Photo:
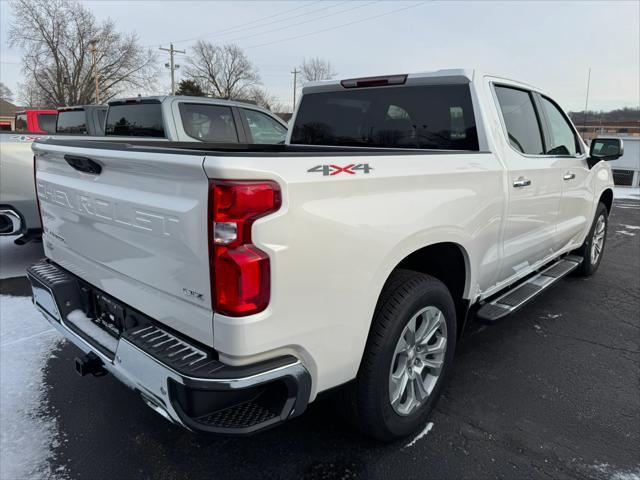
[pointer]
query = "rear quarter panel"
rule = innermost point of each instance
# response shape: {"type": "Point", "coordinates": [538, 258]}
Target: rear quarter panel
{"type": "Point", "coordinates": [17, 188]}
{"type": "Point", "coordinates": [337, 238]}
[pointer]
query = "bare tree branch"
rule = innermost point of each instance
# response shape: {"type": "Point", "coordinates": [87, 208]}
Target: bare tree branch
{"type": "Point", "coordinates": [55, 36]}
{"type": "Point", "coordinates": [222, 71]}
{"type": "Point", "coordinates": [316, 69]}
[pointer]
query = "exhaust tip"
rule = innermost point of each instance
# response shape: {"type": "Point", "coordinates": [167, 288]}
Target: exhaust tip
{"type": "Point", "coordinates": [10, 222]}
{"type": "Point", "coordinates": [89, 364]}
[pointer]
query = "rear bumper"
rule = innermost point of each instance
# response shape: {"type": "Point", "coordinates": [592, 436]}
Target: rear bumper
{"type": "Point", "coordinates": [179, 379]}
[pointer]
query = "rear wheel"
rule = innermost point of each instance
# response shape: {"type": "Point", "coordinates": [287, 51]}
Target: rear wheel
{"type": "Point", "coordinates": [593, 247]}
{"type": "Point", "coordinates": [407, 358]}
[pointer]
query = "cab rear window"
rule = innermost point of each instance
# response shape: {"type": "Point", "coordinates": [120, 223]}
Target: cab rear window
{"type": "Point", "coordinates": [47, 122]}
{"type": "Point", "coordinates": [72, 122]}
{"type": "Point", "coordinates": [424, 117]}
{"type": "Point", "coordinates": [135, 120]}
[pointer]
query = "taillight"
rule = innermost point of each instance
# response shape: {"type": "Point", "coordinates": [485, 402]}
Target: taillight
{"type": "Point", "coordinates": [240, 271]}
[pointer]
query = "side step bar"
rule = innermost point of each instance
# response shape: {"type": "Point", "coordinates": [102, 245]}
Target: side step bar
{"type": "Point", "coordinates": [527, 290]}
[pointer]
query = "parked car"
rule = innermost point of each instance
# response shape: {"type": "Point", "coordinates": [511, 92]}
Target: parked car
{"type": "Point", "coordinates": [231, 284]}
{"type": "Point", "coordinates": [81, 120]}
{"type": "Point", "coordinates": [173, 119]}
{"type": "Point", "coordinates": [36, 121]}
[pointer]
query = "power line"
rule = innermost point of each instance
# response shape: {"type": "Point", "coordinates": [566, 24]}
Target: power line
{"type": "Point", "coordinates": [245, 26]}
{"type": "Point", "coordinates": [337, 26]}
{"type": "Point", "coordinates": [315, 19]}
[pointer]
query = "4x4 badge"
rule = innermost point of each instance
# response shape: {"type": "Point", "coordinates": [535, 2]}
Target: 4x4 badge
{"type": "Point", "coordinates": [350, 169]}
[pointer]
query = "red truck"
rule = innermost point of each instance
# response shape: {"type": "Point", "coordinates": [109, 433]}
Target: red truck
{"type": "Point", "coordinates": [36, 121]}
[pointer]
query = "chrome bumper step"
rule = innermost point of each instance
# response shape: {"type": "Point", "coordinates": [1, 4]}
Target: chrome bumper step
{"type": "Point", "coordinates": [528, 290]}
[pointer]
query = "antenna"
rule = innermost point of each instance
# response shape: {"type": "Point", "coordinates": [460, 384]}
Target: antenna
{"type": "Point", "coordinates": [586, 104]}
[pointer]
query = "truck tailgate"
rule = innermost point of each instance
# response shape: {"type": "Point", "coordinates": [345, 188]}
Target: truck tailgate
{"type": "Point", "coordinates": [137, 228]}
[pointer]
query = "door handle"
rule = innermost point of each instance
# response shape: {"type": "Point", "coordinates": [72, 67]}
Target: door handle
{"type": "Point", "coordinates": [569, 176]}
{"type": "Point", "coordinates": [521, 182]}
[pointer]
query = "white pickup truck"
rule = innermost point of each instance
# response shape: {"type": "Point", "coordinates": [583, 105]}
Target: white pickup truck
{"type": "Point", "coordinates": [169, 118]}
{"type": "Point", "coordinates": [230, 285]}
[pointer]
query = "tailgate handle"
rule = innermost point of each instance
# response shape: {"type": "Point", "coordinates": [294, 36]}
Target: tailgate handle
{"type": "Point", "coordinates": [84, 164]}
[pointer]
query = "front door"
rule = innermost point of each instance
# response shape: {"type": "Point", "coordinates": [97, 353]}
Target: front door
{"type": "Point", "coordinates": [534, 185]}
{"type": "Point", "coordinates": [574, 217]}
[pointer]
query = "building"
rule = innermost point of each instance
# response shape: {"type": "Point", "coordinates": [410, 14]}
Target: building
{"type": "Point", "coordinates": [7, 115]}
{"type": "Point", "coordinates": [592, 129]}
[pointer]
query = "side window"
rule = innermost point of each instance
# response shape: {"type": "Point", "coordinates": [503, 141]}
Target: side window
{"type": "Point", "coordinates": [21, 122]}
{"type": "Point", "coordinates": [264, 129]}
{"type": "Point", "coordinates": [520, 119]}
{"type": "Point", "coordinates": [208, 123]}
{"type": "Point", "coordinates": [563, 141]}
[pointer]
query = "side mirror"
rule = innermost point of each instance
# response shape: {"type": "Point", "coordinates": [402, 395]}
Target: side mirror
{"type": "Point", "coordinates": [606, 149]}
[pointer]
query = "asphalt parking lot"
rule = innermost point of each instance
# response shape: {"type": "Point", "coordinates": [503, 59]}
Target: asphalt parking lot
{"type": "Point", "coordinates": [552, 391]}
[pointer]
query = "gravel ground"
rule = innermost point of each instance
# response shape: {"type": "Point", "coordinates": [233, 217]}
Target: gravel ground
{"type": "Point", "coordinates": [552, 391]}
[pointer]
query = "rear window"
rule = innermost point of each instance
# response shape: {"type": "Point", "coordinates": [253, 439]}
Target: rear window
{"type": "Point", "coordinates": [47, 122]}
{"type": "Point", "coordinates": [21, 122]}
{"type": "Point", "coordinates": [425, 117]}
{"type": "Point", "coordinates": [135, 120]}
{"type": "Point", "coordinates": [72, 121]}
{"type": "Point", "coordinates": [208, 123]}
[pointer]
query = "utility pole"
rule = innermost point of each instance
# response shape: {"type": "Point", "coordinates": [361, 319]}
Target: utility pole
{"type": "Point", "coordinates": [295, 85]}
{"type": "Point", "coordinates": [171, 65]}
{"type": "Point", "coordinates": [94, 49]}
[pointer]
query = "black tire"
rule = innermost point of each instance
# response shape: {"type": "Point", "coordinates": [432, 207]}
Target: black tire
{"type": "Point", "coordinates": [588, 266]}
{"type": "Point", "coordinates": [368, 402]}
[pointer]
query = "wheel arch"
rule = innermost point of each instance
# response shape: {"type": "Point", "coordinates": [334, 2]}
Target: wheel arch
{"type": "Point", "coordinates": [606, 197]}
{"type": "Point", "coordinates": [449, 263]}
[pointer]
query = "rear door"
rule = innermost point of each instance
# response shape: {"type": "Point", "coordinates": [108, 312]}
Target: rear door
{"type": "Point", "coordinates": [262, 128]}
{"type": "Point", "coordinates": [534, 184]}
{"type": "Point", "coordinates": [135, 226]}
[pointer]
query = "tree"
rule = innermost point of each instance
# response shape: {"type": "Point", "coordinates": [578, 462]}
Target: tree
{"type": "Point", "coordinates": [264, 99]}
{"type": "Point", "coordinates": [316, 69]}
{"type": "Point", "coordinates": [224, 71]}
{"type": "Point", "coordinates": [5, 93]}
{"type": "Point", "coordinates": [56, 37]}
{"type": "Point", "coordinates": [31, 95]}
{"type": "Point", "coordinates": [190, 87]}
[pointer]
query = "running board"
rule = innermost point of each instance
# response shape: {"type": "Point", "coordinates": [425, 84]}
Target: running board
{"type": "Point", "coordinates": [527, 290]}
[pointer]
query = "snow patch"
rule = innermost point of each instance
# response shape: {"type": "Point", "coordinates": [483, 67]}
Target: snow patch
{"type": "Point", "coordinates": [28, 434]}
{"type": "Point", "coordinates": [613, 474]}
{"type": "Point", "coordinates": [624, 232]}
{"type": "Point", "coordinates": [630, 227]}
{"type": "Point", "coordinates": [628, 193]}
{"type": "Point", "coordinates": [84, 323]}
{"type": "Point", "coordinates": [426, 430]}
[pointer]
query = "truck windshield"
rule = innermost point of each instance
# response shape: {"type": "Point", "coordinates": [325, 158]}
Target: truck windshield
{"type": "Point", "coordinates": [135, 120]}
{"type": "Point", "coordinates": [424, 117]}
{"type": "Point", "coordinates": [47, 122]}
{"type": "Point", "coordinates": [72, 121]}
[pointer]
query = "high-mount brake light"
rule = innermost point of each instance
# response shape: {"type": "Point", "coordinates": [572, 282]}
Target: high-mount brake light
{"type": "Point", "coordinates": [240, 271]}
{"type": "Point", "coordinates": [374, 81]}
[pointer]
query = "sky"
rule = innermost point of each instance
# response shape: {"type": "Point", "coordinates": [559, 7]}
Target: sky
{"type": "Point", "coordinates": [550, 44]}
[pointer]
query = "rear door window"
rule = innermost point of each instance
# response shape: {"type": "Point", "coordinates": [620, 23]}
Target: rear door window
{"type": "Point", "coordinates": [47, 122]}
{"type": "Point", "coordinates": [437, 117]}
{"type": "Point", "coordinates": [521, 120]}
{"type": "Point", "coordinates": [135, 120]}
{"type": "Point", "coordinates": [264, 129]}
{"type": "Point", "coordinates": [72, 122]}
{"type": "Point", "coordinates": [209, 123]}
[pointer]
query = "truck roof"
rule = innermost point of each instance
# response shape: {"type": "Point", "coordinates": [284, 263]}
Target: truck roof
{"type": "Point", "coordinates": [163, 98]}
{"type": "Point", "coordinates": [452, 75]}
